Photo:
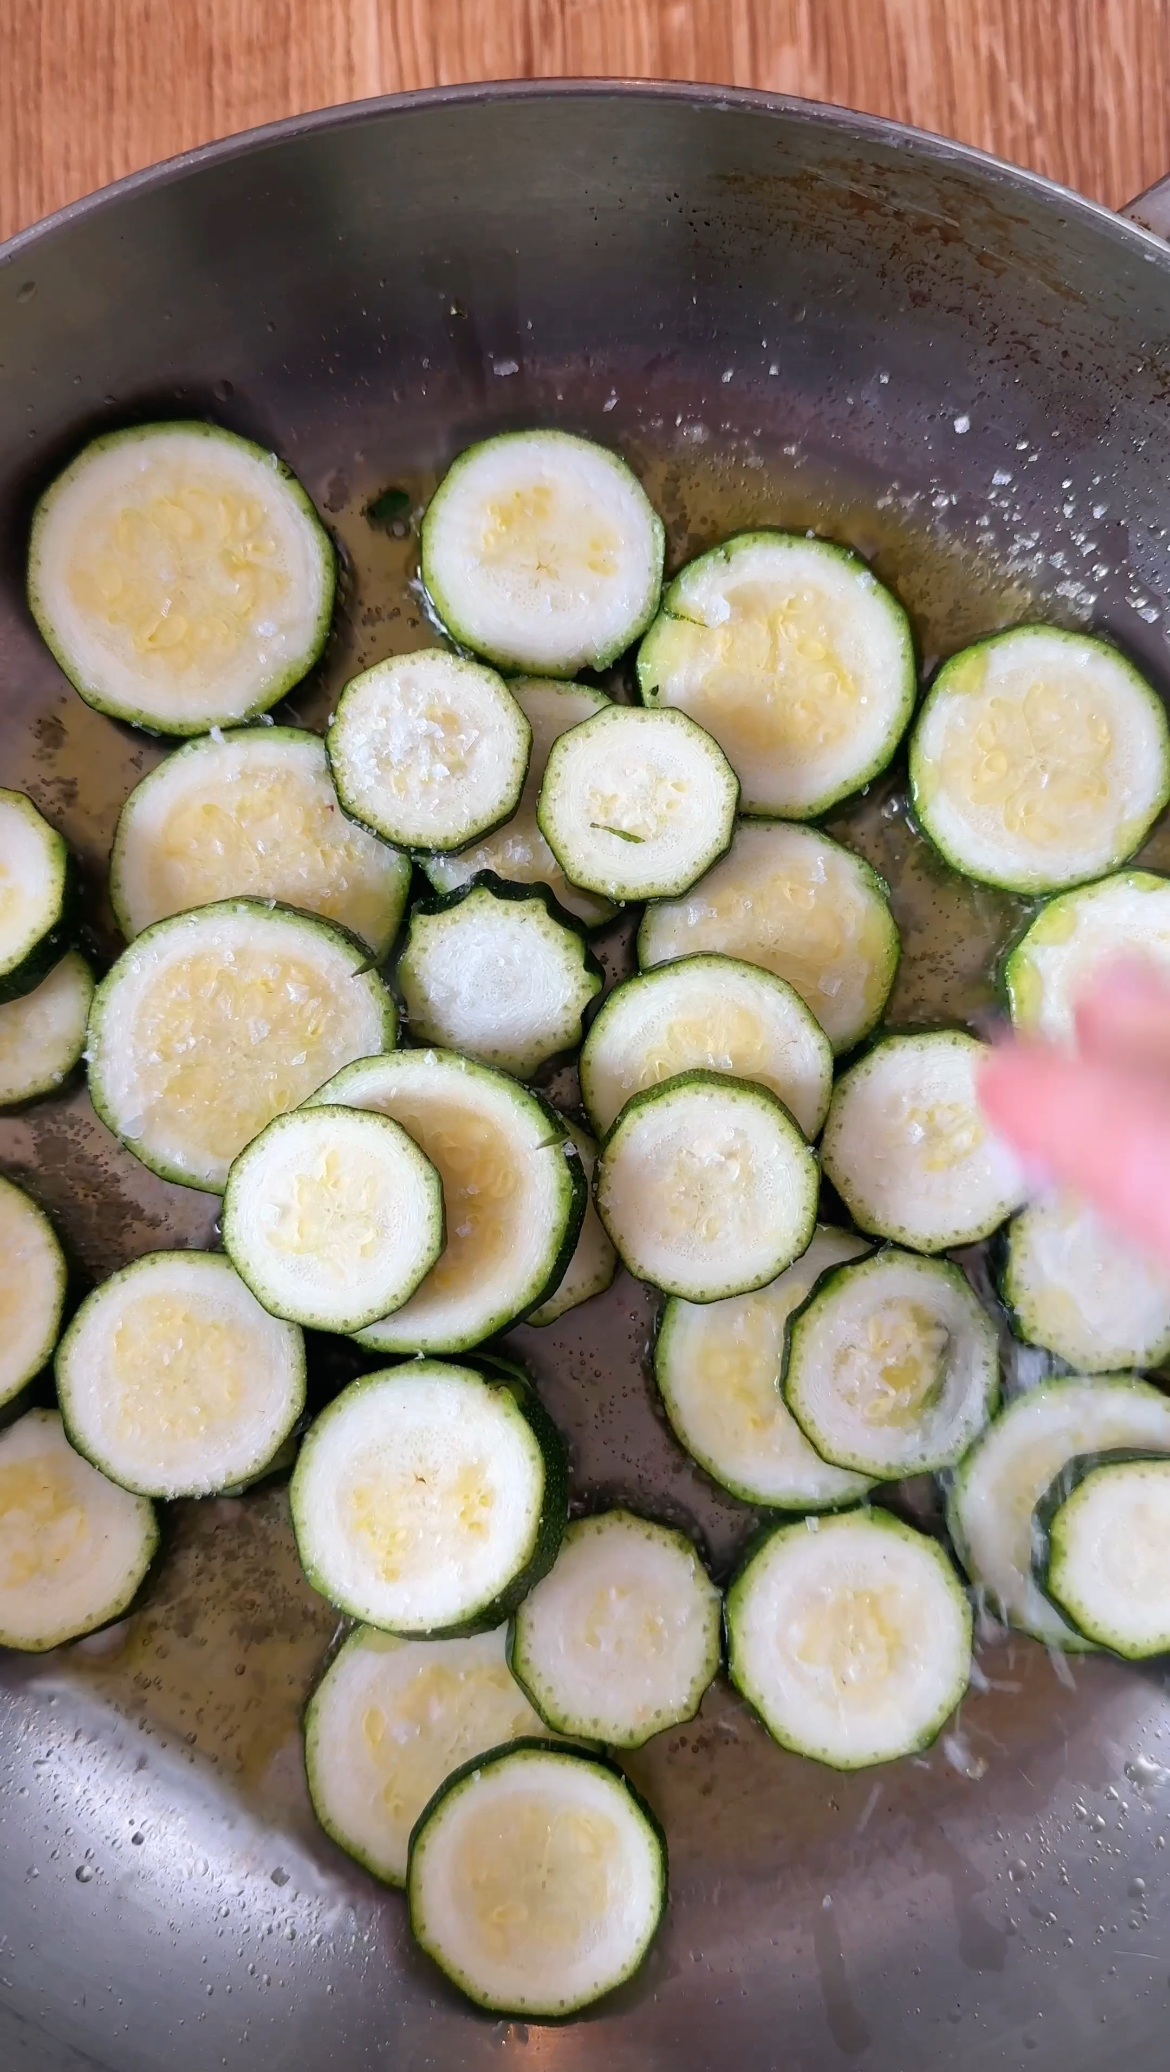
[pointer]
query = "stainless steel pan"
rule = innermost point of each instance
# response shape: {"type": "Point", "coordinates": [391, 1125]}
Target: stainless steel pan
{"type": "Point", "coordinates": [786, 313]}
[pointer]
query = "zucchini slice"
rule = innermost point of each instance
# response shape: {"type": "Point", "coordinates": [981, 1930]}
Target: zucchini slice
{"type": "Point", "coordinates": [989, 1510]}
{"type": "Point", "coordinates": [636, 804]}
{"type": "Point", "coordinates": [1075, 1287]}
{"type": "Point", "coordinates": [252, 814]}
{"type": "Point", "coordinates": [213, 1022]}
{"type": "Point", "coordinates": [1101, 1550]}
{"type": "Point", "coordinates": [517, 851]}
{"type": "Point", "coordinates": [181, 577]}
{"type": "Point", "coordinates": [792, 654]}
{"type": "Point", "coordinates": [174, 1382]}
{"type": "Point", "coordinates": [908, 1150]}
{"type": "Point", "coordinates": [543, 552]}
{"type": "Point", "coordinates": [1040, 759]}
{"type": "Point", "coordinates": [622, 1637]}
{"type": "Point", "coordinates": [74, 1549]}
{"type": "Point", "coordinates": [537, 1879]}
{"type": "Point", "coordinates": [850, 1637]}
{"type": "Point", "coordinates": [706, 1186]}
{"type": "Point", "coordinates": [513, 1189]}
{"type": "Point", "coordinates": [709, 1012]}
{"type": "Point", "coordinates": [800, 905]}
{"type": "Point", "coordinates": [332, 1217]}
{"type": "Point", "coordinates": [718, 1368]}
{"type": "Point", "coordinates": [497, 972]}
{"type": "Point", "coordinates": [892, 1365]}
{"type": "Point", "coordinates": [429, 750]}
{"type": "Point", "coordinates": [1074, 938]}
{"type": "Point", "coordinates": [594, 1262]}
{"type": "Point", "coordinates": [42, 1035]}
{"type": "Point", "coordinates": [33, 1282]}
{"type": "Point", "coordinates": [388, 1723]}
{"type": "Point", "coordinates": [427, 1499]}
{"type": "Point", "coordinates": [36, 895]}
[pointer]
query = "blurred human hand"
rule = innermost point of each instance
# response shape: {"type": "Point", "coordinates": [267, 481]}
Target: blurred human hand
{"type": "Point", "coordinates": [1098, 1120]}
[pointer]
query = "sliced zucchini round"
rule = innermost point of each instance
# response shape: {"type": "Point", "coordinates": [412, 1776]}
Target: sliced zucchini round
{"type": "Point", "coordinates": [429, 750]}
{"type": "Point", "coordinates": [850, 1637]}
{"type": "Point", "coordinates": [892, 1365]}
{"type": "Point", "coordinates": [42, 1035]}
{"type": "Point", "coordinates": [710, 1012]}
{"type": "Point", "coordinates": [706, 1186]}
{"type": "Point", "coordinates": [1075, 1287]}
{"type": "Point", "coordinates": [33, 1282]}
{"type": "Point", "coordinates": [252, 814]}
{"type": "Point", "coordinates": [174, 1382]}
{"type": "Point", "coordinates": [718, 1368]}
{"type": "Point", "coordinates": [36, 894]}
{"type": "Point", "coordinates": [427, 1499]}
{"type": "Point", "coordinates": [388, 1723]}
{"type": "Point", "coordinates": [1101, 1550]}
{"type": "Point", "coordinates": [792, 654]}
{"type": "Point", "coordinates": [908, 1150]}
{"type": "Point", "coordinates": [800, 905]}
{"type": "Point", "coordinates": [517, 851]}
{"type": "Point", "coordinates": [180, 576]}
{"type": "Point", "coordinates": [74, 1549]}
{"type": "Point", "coordinates": [332, 1217]}
{"type": "Point", "coordinates": [1040, 759]}
{"type": "Point", "coordinates": [1074, 938]}
{"type": "Point", "coordinates": [636, 804]}
{"type": "Point", "coordinates": [594, 1262]}
{"type": "Point", "coordinates": [495, 971]}
{"type": "Point", "coordinates": [989, 1511]}
{"type": "Point", "coordinates": [543, 552]}
{"type": "Point", "coordinates": [213, 1022]}
{"type": "Point", "coordinates": [513, 1189]}
{"type": "Point", "coordinates": [537, 1879]}
{"type": "Point", "coordinates": [622, 1637]}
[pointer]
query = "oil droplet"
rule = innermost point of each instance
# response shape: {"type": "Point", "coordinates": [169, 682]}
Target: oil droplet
{"type": "Point", "coordinates": [280, 1876]}
{"type": "Point", "coordinates": [26, 293]}
{"type": "Point", "coordinates": [84, 1873]}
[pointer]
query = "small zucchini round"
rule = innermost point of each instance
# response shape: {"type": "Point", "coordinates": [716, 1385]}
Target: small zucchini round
{"type": "Point", "coordinates": [42, 1034]}
{"type": "Point", "coordinates": [1074, 938]}
{"type": "Point", "coordinates": [74, 1548]}
{"type": "Point", "coordinates": [1072, 1284]}
{"type": "Point", "coordinates": [1101, 1550]}
{"type": "Point", "coordinates": [37, 890]}
{"type": "Point", "coordinates": [594, 1263]}
{"type": "Point", "coordinates": [33, 1283]}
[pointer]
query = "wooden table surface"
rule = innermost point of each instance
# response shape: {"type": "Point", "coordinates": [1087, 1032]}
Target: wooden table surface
{"type": "Point", "coordinates": [91, 89]}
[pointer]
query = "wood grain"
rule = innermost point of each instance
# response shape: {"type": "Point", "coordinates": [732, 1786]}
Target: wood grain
{"type": "Point", "coordinates": [91, 89]}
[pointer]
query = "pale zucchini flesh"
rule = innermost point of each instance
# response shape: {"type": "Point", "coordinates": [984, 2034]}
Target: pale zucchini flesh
{"type": "Point", "coordinates": [213, 1022]}
{"type": "Point", "coordinates": [42, 1034]}
{"type": "Point", "coordinates": [537, 1878]}
{"type": "Point", "coordinates": [429, 750]}
{"type": "Point", "coordinates": [800, 905]}
{"type": "Point", "coordinates": [33, 1282]}
{"type": "Point", "coordinates": [252, 814]}
{"type": "Point", "coordinates": [389, 1722]}
{"type": "Point", "coordinates": [74, 1548]}
{"type": "Point", "coordinates": [907, 1147]}
{"type": "Point", "coordinates": [517, 851]}
{"type": "Point", "coordinates": [1040, 759]}
{"type": "Point", "coordinates": [712, 1013]}
{"type": "Point", "coordinates": [332, 1217]}
{"type": "Point", "coordinates": [1074, 1286]}
{"type": "Point", "coordinates": [494, 971]}
{"type": "Point", "coordinates": [175, 1382]}
{"type": "Point", "coordinates": [594, 1263]}
{"type": "Point", "coordinates": [36, 887]}
{"type": "Point", "coordinates": [892, 1365]}
{"type": "Point", "coordinates": [543, 552]}
{"type": "Point", "coordinates": [851, 1638]}
{"type": "Point", "coordinates": [1101, 1550]}
{"type": "Point", "coordinates": [706, 1186]}
{"type": "Point", "coordinates": [427, 1499]}
{"type": "Point", "coordinates": [1075, 938]}
{"type": "Point", "coordinates": [181, 576]}
{"type": "Point", "coordinates": [718, 1367]}
{"type": "Point", "coordinates": [989, 1510]}
{"type": "Point", "coordinates": [513, 1189]}
{"type": "Point", "coordinates": [793, 655]}
{"type": "Point", "coordinates": [637, 804]}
